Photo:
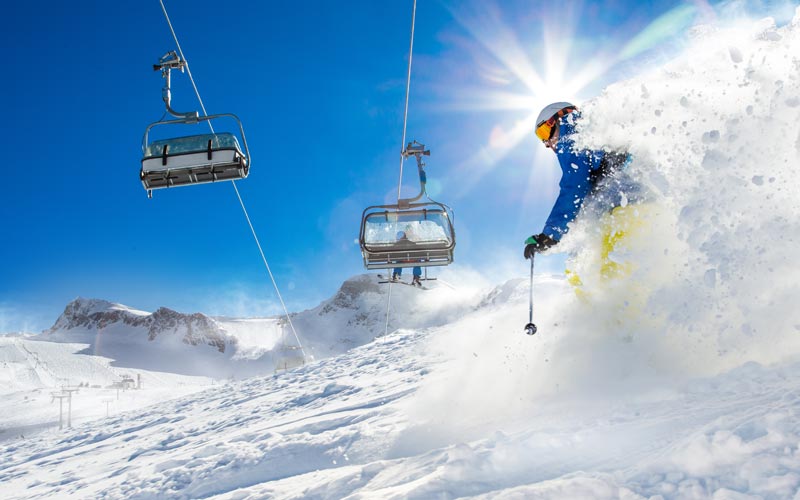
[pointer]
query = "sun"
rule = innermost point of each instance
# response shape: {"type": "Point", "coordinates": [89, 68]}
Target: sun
{"type": "Point", "coordinates": [515, 78]}
{"type": "Point", "coordinates": [527, 56]}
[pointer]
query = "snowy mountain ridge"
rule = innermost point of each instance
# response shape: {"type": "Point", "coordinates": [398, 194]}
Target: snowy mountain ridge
{"type": "Point", "coordinates": [222, 347]}
{"type": "Point", "coordinates": [87, 315]}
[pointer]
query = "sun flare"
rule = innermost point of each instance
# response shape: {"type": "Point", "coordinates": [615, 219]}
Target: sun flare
{"type": "Point", "coordinates": [522, 70]}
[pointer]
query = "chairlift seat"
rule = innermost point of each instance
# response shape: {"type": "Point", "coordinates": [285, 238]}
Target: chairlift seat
{"type": "Point", "coordinates": [426, 235]}
{"type": "Point", "coordinates": [287, 357]}
{"type": "Point", "coordinates": [193, 159]}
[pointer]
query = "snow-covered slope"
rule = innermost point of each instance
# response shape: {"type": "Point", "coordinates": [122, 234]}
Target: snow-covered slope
{"type": "Point", "coordinates": [392, 419]}
{"type": "Point", "coordinates": [32, 371]}
{"type": "Point", "coordinates": [680, 380]}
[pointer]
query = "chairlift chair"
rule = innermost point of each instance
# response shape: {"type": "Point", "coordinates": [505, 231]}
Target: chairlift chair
{"type": "Point", "coordinates": [194, 159]}
{"type": "Point", "coordinates": [419, 234]}
{"type": "Point", "coordinates": [287, 357]}
{"type": "Point", "coordinates": [409, 233]}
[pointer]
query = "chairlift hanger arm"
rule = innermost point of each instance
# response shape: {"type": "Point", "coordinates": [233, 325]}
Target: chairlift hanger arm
{"type": "Point", "coordinates": [417, 150]}
{"type": "Point", "coordinates": [170, 60]}
{"type": "Point", "coordinates": [166, 63]}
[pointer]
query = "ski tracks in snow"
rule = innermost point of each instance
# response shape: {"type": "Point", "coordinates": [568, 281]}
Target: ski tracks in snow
{"type": "Point", "coordinates": [337, 429]}
{"type": "Point", "coordinates": [314, 418]}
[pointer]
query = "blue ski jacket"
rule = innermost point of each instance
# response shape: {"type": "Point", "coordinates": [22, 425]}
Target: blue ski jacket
{"type": "Point", "coordinates": [581, 173]}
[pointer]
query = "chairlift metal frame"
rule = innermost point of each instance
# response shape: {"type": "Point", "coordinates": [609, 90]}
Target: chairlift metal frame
{"type": "Point", "coordinates": [284, 356]}
{"type": "Point", "coordinates": [405, 253]}
{"type": "Point", "coordinates": [236, 167]}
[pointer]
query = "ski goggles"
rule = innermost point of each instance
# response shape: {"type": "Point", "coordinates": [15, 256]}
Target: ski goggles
{"type": "Point", "coordinates": [544, 130]}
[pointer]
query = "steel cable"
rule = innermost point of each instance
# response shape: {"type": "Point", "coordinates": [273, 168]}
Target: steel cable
{"type": "Point", "coordinates": [249, 223]}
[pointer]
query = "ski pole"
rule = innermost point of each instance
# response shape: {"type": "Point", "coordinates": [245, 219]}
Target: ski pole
{"type": "Point", "coordinates": [530, 328]}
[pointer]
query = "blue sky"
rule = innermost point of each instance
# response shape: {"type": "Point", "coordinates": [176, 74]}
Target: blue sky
{"type": "Point", "coordinates": [319, 86]}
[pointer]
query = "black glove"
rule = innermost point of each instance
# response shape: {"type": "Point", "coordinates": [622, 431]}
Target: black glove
{"type": "Point", "coordinates": [538, 243]}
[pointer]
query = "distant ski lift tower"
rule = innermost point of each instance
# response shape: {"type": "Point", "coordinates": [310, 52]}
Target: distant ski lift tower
{"type": "Point", "coordinates": [68, 391]}
{"type": "Point", "coordinates": [60, 396]}
{"type": "Point", "coordinates": [107, 401]}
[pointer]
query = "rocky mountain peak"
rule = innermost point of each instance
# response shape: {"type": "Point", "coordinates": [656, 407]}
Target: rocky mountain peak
{"type": "Point", "coordinates": [348, 295]}
{"type": "Point", "coordinates": [98, 314]}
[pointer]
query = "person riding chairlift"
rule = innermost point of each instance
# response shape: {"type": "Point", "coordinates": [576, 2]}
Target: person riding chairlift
{"type": "Point", "coordinates": [398, 271]}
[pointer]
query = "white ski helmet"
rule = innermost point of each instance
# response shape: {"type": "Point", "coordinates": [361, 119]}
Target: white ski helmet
{"type": "Point", "coordinates": [557, 109]}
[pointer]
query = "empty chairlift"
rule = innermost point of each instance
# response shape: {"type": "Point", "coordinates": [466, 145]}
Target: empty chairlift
{"type": "Point", "coordinates": [194, 159]}
{"type": "Point", "coordinates": [410, 233]}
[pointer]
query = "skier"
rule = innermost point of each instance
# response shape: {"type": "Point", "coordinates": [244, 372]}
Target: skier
{"type": "Point", "coordinates": [585, 175]}
{"type": "Point", "coordinates": [398, 271]}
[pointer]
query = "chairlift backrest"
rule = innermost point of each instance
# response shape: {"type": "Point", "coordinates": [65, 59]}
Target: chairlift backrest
{"type": "Point", "coordinates": [193, 144]}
